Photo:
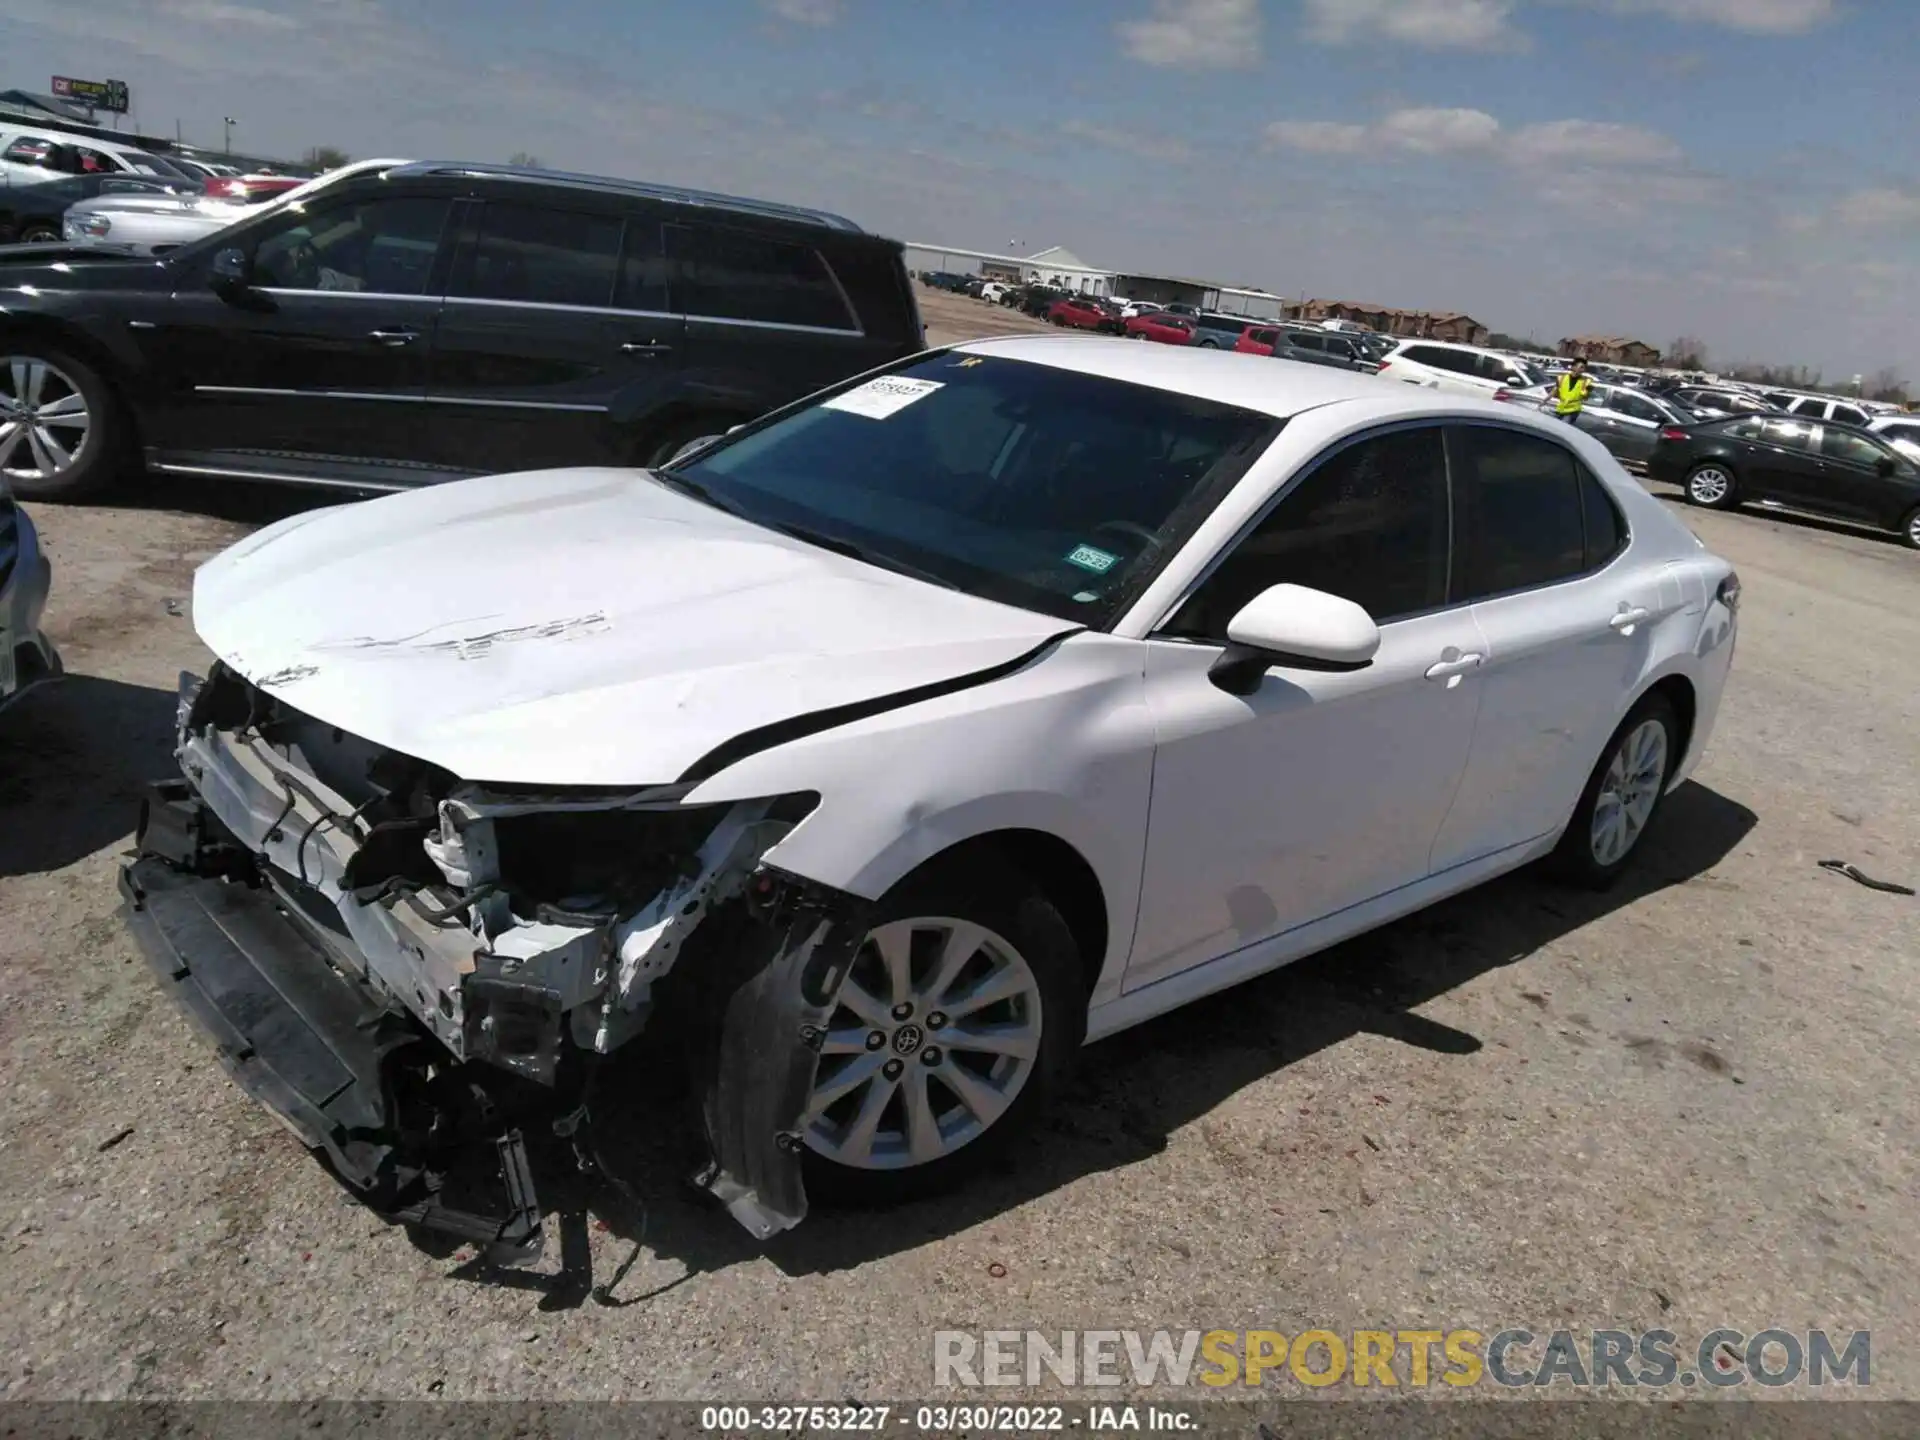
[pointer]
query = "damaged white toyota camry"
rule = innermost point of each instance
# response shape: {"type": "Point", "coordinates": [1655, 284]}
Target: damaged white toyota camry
{"type": "Point", "coordinates": [887, 749]}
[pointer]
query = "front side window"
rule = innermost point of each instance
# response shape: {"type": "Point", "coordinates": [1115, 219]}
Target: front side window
{"type": "Point", "coordinates": [1635, 408]}
{"type": "Point", "coordinates": [727, 274]}
{"type": "Point", "coordinates": [1815, 408]}
{"type": "Point", "coordinates": [1023, 483]}
{"type": "Point", "coordinates": [540, 256]}
{"type": "Point", "coordinates": [375, 246]}
{"type": "Point", "coordinates": [1521, 493]}
{"type": "Point", "coordinates": [1370, 524]}
{"type": "Point", "coordinates": [1847, 415]}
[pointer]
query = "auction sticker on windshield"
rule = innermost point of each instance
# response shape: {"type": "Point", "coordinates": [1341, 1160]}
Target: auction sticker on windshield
{"type": "Point", "coordinates": [877, 399]}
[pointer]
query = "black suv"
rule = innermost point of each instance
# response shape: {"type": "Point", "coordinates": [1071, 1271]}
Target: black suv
{"type": "Point", "coordinates": [401, 324]}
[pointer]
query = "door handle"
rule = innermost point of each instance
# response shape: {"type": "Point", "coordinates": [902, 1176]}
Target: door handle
{"type": "Point", "coordinates": [394, 339]}
{"type": "Point", "coordinates": [647, 347]}
{"type": "Point", "coordinates": [1459, 665]}
{"type": "Point", "coordinates": [1627, 619]}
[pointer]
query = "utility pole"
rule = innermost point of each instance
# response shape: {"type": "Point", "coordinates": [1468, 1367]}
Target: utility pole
{"type": "Point", "coordinates": [229, 122]}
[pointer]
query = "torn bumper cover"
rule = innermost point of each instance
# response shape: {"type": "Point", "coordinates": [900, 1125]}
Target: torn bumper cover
{"type": "Point", "coordinates": [404, 967]}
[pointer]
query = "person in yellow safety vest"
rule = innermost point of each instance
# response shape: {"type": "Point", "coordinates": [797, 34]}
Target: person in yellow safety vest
{"type": "Point", "coordinates": [1572, 395]}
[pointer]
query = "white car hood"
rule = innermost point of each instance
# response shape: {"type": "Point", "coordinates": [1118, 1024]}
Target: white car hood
{"type": "Point", "coordinates": [577, 627]}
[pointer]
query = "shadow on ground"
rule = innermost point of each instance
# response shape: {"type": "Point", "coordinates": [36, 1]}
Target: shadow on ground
{"type": "Point", "coordinates": [1130, 1092]}
{"type": "Point", "coordinates": [243, 502]}
{"type": "Point", "coordinates": [75, 757]}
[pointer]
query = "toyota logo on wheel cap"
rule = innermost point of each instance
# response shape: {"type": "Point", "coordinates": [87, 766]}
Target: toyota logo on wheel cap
{"type": "Point", "coordinates": [907, 1039]}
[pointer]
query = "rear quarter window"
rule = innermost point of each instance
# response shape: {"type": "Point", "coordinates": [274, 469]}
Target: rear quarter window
{"type": "Point", "coordinates": [728, 274]}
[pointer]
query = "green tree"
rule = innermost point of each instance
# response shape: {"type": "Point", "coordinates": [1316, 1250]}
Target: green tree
{"type": "Point", "coordinates": [526, 158]}
{"type": "Point", "coordinates": [1688, 352]}
{"type": "Point", "coordinates": [326, 157]}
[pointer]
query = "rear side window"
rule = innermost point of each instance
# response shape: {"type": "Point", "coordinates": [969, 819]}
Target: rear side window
{"type": "Point", "coordinates": [1847, 415]}
{"type": "Point", "coordinates": [1815, 408]}
{"type": "Point", "coordinates": [1369, 524]}
{"type": "Point", "coordinates": [725, 274]}
{"type": "Point", "coordinates": [1790, 434]}
{"type": "Point", "coordinates": [540, 256]}
{"type": "Point", "coordinates": [1522, 497]}
{"type": "Point", "coordinates": [1606, 529]}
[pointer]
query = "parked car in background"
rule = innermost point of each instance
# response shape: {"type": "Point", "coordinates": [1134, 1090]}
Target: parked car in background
{"type": "Point", "coordinates": [1131, 308]}
{"type": "Point", "coordinates": [32, 214]}
{"type": "Point", "coordinates": [26, 655]}
{"type": "Point", "coordinates": [250, 189]}
{"type": "Point", "coordinates": [1821, 407]}
{"type": "Point", "coordinates": [1081, 312]}
{"type": "Point", "coordinates": [944, 279]}
{"type": "Point", "coordinates": [994, 291]}
{"type": "Point", "coordinates": [1213, 331]}
{"type": "Point", "coordinates": [1258, 340]}
{"type": "Point", "coordinates": [995, 685]}
{"type": "Point", "coordinates": [1462, 369]}
{"type": "Point", "coordinates": [1340, 349]}
{"type": "Point", "coordinates": [28, 155]}
{"type": "Point", "coordinates": [1783, 461]}
{"type": "Point", "coordinates": [146, 224]}
{"type": "Point", "coordinates": [1900, 431]}
{"type": "Point", "coordinates": [1713, 403]}
{"type": "Point", "coordinates": [397, 323]}
{"type": "Point", "coordinates": [1167, 329]}
{"type": "Point", "coordinates": [1627, 421]}
{"type": "Point", "coordinates": [1039, 299]}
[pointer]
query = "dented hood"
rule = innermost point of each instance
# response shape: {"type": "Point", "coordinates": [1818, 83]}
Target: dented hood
{"type": "Point", "coordinates": [577, 627]}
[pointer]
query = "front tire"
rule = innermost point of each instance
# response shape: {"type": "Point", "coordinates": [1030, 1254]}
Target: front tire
{"type": "Point", "coordinates": [1910, 529]}
{"type": "Point", "coordinates": [61, 432]}
{"type": "Point", "coordinates": [1621, 796]}
{"type": "Point", "coordinates": [1711, 486]}
{"type": "Point", "coordinates": [39, 235]}
{"type": "Point", "coordinates": [661, 447]}
{"type": "Point", "coordinates": [971, 982]}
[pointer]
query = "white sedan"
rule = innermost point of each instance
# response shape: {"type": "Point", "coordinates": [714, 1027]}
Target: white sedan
{"type": "Point", "coordinates": [889, 748]}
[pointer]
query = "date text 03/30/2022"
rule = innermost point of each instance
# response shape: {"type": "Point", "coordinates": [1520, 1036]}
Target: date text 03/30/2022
{"type": "Point", "coordinates": [943, 1419]}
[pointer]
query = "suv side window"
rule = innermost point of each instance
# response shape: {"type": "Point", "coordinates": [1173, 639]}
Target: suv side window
{"type": "Point", "coordinates": [1816, 408]}
{"type": "Point", "coordinates": [1369, 523]}
{"type": "Point", "coordinates": [376, 246]}
{"type": "Point", "coordinates": [1521, 493]}
{"type": "Point", "coordinates": [540, 256]}
{"type": "Point", "coordinates": [1847, 415]}
{"type": "Point", "coordinates": [726, 274]}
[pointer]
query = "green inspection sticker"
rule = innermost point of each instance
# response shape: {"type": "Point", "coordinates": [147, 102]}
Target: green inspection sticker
{"type": "Point", "coordinates": [1089, 558]}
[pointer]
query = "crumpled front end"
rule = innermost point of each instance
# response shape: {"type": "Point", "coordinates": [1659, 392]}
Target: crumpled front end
{"type": "Point", "coordinates": [395, 959]}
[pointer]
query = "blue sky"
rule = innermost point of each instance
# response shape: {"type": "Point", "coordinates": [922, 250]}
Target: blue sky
{"type": "Point", "coordinates": [1739, 170]}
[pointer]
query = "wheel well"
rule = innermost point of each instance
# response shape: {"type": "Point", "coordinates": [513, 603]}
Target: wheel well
{"type": "Point", "coordinates": [82, 347]}
{"type": "Point", "coordinates": [1059, 870]}
{"type": "Point", "coordinates": [1678, 692]}
{"type": "Point", "coordinates": [663, 422]}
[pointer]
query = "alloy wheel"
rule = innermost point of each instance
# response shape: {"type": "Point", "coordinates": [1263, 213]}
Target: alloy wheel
{"type": "Point", "coordinates": [1913, 529]}
{"type": "Point", "coordinates": [1709, 485]}
{"type": "Point", "coordinates": [44, 419]}
{"type": "Point", "coordinates": [934, 1034]}
{"type": "Point", "coordinates": [1629, 792]}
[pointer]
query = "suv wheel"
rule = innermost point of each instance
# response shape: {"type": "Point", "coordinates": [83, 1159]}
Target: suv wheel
{"type": "Point", "coordinates": [665, 444]}
{"type": "Point", "coordinates": [959, 1016]}
{"type": "Point", "coordinates": [59, 425]}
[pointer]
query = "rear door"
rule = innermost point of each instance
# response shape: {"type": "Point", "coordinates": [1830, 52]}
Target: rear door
{"type": "Point", "coordinates": [557, 338]}
{"type": "Point", "coordinates": [767, 318]}
{"type": "Point", "coordinates": [1568, 626]}
{"type": "Point", "coordinates": [1633, 426]}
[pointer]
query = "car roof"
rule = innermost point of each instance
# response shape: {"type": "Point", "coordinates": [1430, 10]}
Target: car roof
{"type": "Point", "coordinates": [1250, 382]}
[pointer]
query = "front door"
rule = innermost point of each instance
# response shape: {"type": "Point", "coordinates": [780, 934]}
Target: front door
{"type": "Point", "coordinates": [1785, 463]}
{"type": "Point", "coordinates": [321, 363]}
{"type": "Point", "coordinates": [1853, 485]}
{"type": "Point", "coordinates": [1567, 634]}
{"type": "Point", "coordinates": [556, 340]}
{"type": "Point", "coordinates": [1319, 791]}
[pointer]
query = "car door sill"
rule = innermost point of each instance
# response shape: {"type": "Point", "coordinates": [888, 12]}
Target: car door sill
{"type": "Point", "coordinates": [1159, 996]}
{"type": "Point", "coordinates": [328, 471]}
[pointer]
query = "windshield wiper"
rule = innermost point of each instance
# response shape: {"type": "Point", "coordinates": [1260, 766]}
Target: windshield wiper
{"type": "Point", "coordinates": [674, 481]}
{"type": "Point", "coordinates": [859, 552]}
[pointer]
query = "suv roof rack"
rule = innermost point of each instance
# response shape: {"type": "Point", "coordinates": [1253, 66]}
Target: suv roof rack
{"type": "Point", "coordinates": [679, 194]}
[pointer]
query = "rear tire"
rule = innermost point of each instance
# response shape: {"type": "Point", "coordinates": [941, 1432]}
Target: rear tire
{"type": "Point", "coordinates": [53, 405]}
{"type": "Point", "coordinates": [1621, 798]}
{"type": "Point", "coordinates": [39, 235]}
{"type": "Point", "coordinates": [1025, 944]}
{"type": "Point", "coordinates": [1910, 529]}
{"type": "Point", "coordinates": [1711, 486]}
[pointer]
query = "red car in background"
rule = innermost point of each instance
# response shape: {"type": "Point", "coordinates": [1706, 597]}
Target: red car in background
{"type": "Point", "coordinates": [1158, 325]}
{"type": "Point", "coordinates": [1257, 340]}
{"type": "Point", "coordinates": [249, 189]}
{"type": "Point", "coordinates": [1081, 314]}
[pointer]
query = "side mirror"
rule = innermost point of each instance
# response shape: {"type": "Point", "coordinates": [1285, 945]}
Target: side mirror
{"type": "Point", "coordinates": [228, 274]}
{"type": "Point", "coordinates": [1295, 627]}
{"type": "Point", "coordinates": [694, 447]}
{"type": "Point", "coordinates": [1884, 465]}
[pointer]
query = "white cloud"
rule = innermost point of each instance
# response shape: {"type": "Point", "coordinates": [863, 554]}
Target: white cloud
{"type": "Point", "coordinates": [805, 12]}
{"type": "Point", "coordinates": [1318, 137]}
{"type": "Point", "coordinates": [1592, 142]}
{"type": "Point", "coordinates": [1196, 34]}
{"type": "Point", "coordinates": [1430, 24]}
{"type": "Point", "coordinates": [1147, 147]}
{"type": "Point", "coordinates": [1759, 17]}
{"type": "Point", "coordinates": [1876, 209]}
{"type": "Point", "coordinates": [1437, 131]}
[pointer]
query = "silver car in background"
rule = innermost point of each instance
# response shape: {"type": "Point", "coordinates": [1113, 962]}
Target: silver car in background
{"type": "Point", "coordinates": [1627, 421]}
{"type": "Point", "coordinates": [155, 224]}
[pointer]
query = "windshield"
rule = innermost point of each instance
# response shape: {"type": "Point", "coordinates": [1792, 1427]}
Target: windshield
{"type": "Point", "coordinates": [1022, 483]}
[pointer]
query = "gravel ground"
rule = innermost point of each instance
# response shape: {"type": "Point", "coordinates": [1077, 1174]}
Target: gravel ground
{"type": "Point", "coordinates": [1686, 1103]}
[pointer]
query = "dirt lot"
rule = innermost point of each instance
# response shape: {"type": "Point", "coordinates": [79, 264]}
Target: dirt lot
{"type": "Point", "coordinates": [1688, 1103]}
